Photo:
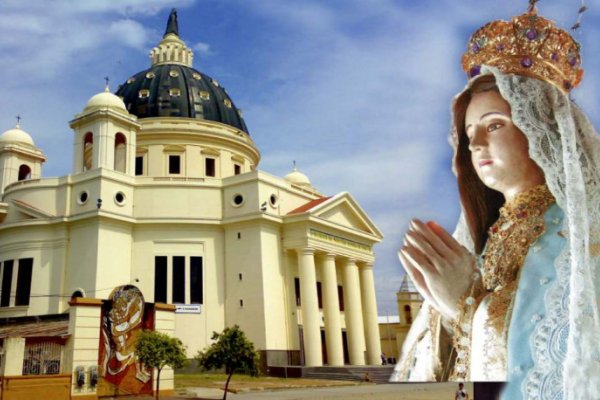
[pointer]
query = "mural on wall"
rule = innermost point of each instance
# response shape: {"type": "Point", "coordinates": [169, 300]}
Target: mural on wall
{"type": "Point", "coordinates": [124, 316]}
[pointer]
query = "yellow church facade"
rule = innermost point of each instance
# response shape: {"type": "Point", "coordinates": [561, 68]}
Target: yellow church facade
{"type": "Point", "coordinates": [166, 195]}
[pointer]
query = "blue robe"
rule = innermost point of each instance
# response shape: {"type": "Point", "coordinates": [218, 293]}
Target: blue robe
{"type": "Point", "coordinates": [537, 275]}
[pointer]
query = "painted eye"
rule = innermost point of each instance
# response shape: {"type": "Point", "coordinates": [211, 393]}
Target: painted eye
{"type": "Point", "coordinates": [494, 126]}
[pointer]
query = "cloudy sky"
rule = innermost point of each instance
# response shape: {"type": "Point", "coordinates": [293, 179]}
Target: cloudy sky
{"type": "Point", "coordinates": [357, 92]}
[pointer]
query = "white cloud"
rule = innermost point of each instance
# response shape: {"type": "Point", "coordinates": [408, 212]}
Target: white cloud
{"type": "Point", "coordinates": [130, 33]}
{"type": "Point", "coordinates": [78, 7]}
{"type": "Point", "coordinates": [202, 48]}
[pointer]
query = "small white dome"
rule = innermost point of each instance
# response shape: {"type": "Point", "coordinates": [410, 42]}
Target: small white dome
{"type": "Point", "coordinates": [16, 135]}
{"type": "Point", "coordinates": [106, 99]}
{"type": "Point", "coordinates": [298, 178]}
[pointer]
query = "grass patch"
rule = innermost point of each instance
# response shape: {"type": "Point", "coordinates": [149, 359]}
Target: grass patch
{"type": "Point", "coordinates": [240, 383]}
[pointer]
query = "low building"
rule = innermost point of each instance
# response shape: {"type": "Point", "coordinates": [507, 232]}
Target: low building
{"type": "Point", "coordinates": [389, 326]}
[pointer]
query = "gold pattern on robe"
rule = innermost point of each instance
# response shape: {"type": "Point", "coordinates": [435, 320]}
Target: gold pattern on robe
{"type": "Point", "coordinates": [520, 224]}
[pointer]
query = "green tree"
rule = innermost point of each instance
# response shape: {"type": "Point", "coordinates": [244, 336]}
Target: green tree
{"type": "Point", "coordinates": [157, 350]}
{"type": "Point", "coordinates": [231, 350]}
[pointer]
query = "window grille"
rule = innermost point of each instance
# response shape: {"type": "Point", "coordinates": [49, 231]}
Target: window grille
{"type": "Point", "coordinates": [42, 358]}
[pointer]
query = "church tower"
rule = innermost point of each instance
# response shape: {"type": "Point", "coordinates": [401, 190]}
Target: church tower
{"type": "Point", "coordinates": [409, 302]}
{"type": "Point", "coordinates": [20, 159]}
{"type": "Point", "coordinates": [105, 135]}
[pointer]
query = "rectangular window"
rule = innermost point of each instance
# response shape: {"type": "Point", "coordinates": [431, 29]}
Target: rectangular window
{"type": "Point", "coordinates": [24, 282]}
{"type": "Point", "coordinates": [237, 169]}
{"type": "Point", "coordinates": [7, 273]}
{"type": "Point", "coordinates": [320, 295]}
{"type": "Point", "coordinates": [209, 166]}
{"type": "Point", "coordinates": [297, 290]}
{"type": "Point", "coordinates": [196, 294]}
{"type": "Point", "coordinates": [139, 165]}
{"type": "Point", "coordinates": [179, 279]}
{"type": "Point", "coordinates": [160, 279]}
{"type": "Point", "coordinates": [341, 297]}
{"type": "Point", "coordinates": [174, 164]}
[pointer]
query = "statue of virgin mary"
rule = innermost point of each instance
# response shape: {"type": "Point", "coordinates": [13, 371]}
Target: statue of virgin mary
{"type": "Point", "coordinates": [514, 294]}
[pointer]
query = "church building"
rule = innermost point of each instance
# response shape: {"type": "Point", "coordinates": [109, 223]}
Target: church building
{"type": "Point", "coordinates": [166, 195]}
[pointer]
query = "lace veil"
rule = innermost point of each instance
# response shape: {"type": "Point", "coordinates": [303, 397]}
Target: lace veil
{"type": "Point", "coordinates": [565, 145]}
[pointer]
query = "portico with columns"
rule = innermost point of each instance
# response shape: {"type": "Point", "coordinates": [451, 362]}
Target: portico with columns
{"type": "Point", "coordinates": [329, 243]}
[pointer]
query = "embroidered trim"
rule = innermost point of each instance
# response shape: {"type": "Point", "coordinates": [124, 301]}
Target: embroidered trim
{"type": "Point", "coordinates": [519, 226]}
{"type": "Point", "coordinates": [463, 328]}
{"type": "Point", "coordinates": [544, 380]}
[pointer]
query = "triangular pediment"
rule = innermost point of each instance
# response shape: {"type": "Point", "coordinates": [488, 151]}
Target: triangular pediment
{"type": "Point", "coordinates": [346, 216]}
{"type": "Point", "coordinates": [342, 210]}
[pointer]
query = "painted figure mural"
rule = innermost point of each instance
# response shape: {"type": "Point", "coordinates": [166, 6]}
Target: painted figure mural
{"type": "Point", "coordinates": [123, 319]}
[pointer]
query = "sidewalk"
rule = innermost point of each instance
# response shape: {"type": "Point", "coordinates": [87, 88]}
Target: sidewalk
{"type": "Point", "coordinates": [193, 393]}
{"type": "Point", "coordinates": [407, 391]}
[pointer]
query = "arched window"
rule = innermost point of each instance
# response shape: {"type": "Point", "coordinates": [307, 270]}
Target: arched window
{"type": "Point", "coordinates": [77, 293]}
{"type": "Point", "coordinates": [120, 152]}
{"type": "Point", "coordinates": [88, 147]}
{"type": "Point", "coordinates": [24, 172]}
{"type": "Point", "coordinates": [407, 314]}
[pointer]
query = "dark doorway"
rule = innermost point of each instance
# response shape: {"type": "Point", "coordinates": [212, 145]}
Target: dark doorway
{"type": "Point", "coordinates": [323, 347]}
{"type": "Point", "coordinates": [301, 337]}
{"type": "Point", "coordinates": [345, 346]}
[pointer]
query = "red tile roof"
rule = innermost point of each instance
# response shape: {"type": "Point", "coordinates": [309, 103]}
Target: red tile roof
{"type": "Point", "coordinates": [311, 204]}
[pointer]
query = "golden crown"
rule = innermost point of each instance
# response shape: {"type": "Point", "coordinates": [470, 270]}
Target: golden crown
{"type": "Point", "coordinates": [528, 45]}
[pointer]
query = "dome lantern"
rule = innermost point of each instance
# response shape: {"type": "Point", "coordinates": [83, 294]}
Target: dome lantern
{"type": "Point", "coordinates": [172, 50]}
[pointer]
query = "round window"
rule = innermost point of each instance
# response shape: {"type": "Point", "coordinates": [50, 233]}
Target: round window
{"type": "Point", "coordinates": [237, 200]}
{"type": "Point", "coordinates": [120, 198]}
{"type": "Point", "coordinates": [83, 197]}
{"type": "Point", "coordinates": [273, 200]}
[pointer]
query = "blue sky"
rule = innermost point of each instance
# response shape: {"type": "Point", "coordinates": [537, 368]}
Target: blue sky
{"type": "Point", "coordinates": [357, 92]}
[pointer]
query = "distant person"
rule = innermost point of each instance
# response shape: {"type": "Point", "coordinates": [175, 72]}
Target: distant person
{"type": "Point", "coordinates": [383, 359]}
{"type": "Point", "coordinates": [461, 393]}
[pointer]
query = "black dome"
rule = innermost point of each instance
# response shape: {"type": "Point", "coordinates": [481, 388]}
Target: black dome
{"type": "Point", "coordinates": [174, 90]}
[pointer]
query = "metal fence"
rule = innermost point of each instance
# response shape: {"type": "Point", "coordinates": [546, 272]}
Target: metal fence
{"type": "Point", "coordinates": [42, 358]}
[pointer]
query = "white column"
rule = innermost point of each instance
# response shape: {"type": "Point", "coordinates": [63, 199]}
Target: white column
{"type": "Point", "coordinates": [331, 310]}
{"type": "Point", "coordinates": [353, 312]}
{"type": "Point", "coordinates": [369, 303]}
{"type": "Point", "coordinates": [310, 308]}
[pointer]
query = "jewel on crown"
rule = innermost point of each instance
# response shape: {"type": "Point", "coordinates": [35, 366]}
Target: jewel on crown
{"type": "Point", "coordinates": [527, 45]}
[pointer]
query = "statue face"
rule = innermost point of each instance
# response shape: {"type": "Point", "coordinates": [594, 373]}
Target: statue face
{"type": "Point", "coordinates": [499, 150]}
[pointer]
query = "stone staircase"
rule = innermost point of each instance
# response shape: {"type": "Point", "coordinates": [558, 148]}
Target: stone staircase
{"type": "Point", "coordinates": [376, 373]}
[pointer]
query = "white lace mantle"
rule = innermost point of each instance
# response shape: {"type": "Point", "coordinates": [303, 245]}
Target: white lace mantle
{"type": "Point", "coordinates": [567, 148]}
